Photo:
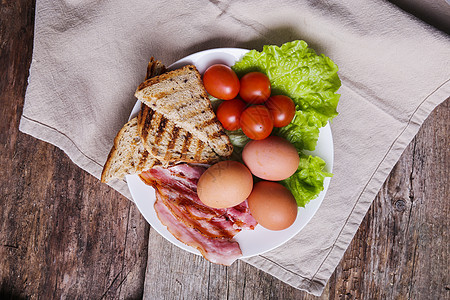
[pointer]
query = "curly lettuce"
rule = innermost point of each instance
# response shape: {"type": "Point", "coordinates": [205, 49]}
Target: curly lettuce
{"type": "Point", "coordinates": [310, 80]}
{"type": "Point", "coordinates": [307, 182]}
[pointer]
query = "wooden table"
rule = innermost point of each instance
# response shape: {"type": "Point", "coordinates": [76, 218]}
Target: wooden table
{"type": "Point", "coordinates": [63, 234]}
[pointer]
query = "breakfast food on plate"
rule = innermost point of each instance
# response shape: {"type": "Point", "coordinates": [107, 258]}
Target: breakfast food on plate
{"type": "Point", "coordinates": [225, 184]}
{"type": "Point", "coordinates": [207, 229]}
{"type": "Point", "coordinates": [151, 138]}
{"type": "Point", "coordinates": [164, 147]}
{"type": "Point", "coordinates": [311, 81]}
{"type": "Point", "coordinates": [169, 142]}
{"type": "Point", "coordinates": [128, 155]}
{"type": "Point", "coordinates": [270, 107]}
{"type": "Point", "coordinates": [165, 140]}
{"type": "Point", "coordinates": [272, 158]}
{"type": "Point", "coordinates": [272, 205]}
{"type": "Point", "coordinates": [182, 98]}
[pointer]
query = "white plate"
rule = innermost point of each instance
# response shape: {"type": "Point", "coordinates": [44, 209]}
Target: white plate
{"type": "Point", "coordinates": [252, 242]}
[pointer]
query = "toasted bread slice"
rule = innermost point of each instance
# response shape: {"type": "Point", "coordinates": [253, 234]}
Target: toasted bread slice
{"type": "Point", "coordinates": [128, 155]}
{"type": "Point", "coordinates": [181, 97]}
{"type": "Point", "coordinates": [155, 68]}
{"type": "Point", "coordinates": [169, 142]}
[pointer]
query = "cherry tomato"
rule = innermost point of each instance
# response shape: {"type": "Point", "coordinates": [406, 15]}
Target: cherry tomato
{"type": "Point", "coordinates": [256, 122]}
{"type": "Point", "coordinates": [221, 82]}
{"type": "Point", "coordinates": [229, 113]}
{"type": "Point", "coordinates": [282, 109]}
{"type": "Point", "coordinates": [255, 88]}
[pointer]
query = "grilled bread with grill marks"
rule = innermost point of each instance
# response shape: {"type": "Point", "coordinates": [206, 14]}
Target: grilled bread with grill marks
{"type": "Point", "coordinates": [180, 96]}
{"type": "Point", "coordinates": [152, 139]}
{"type": "Point", "coordinates": [170, 143]}
{"type": "Point", "coordinates": [128, 155]}
{"type": "Point", "coordinates": [155, 68]}
{"type": "Point", "coordinates": [166, 141]}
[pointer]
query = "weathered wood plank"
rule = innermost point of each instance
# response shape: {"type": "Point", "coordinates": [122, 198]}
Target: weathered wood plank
{"type": "Point", "coordinates": [62, 233]}
{"type": "Point", "coordinates": [430, 200]}
{"type": "Point", "coordinates": [401, 249]}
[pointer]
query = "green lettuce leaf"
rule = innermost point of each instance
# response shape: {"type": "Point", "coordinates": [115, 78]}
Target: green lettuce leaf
{"type": "Point", "coordinates": [307, 182]}
{"type": "Point", "coordinates": [310, 80]}
{"type": "Point", "coordinates": [238, 138]}
{"type": "Point", "coordinates": [215, 102]}
{"type": "Point", "coordinates": [302, 132]}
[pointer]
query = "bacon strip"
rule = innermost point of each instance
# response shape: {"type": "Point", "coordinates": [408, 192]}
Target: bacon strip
{"type": "Point", "coordinates": [207, 229]}
{"type": "Point", "coordinates": [210, 226]}
{"type": "Point", "coordinates": [240, 215]}
{"type": "Point", "coordinates": [217, 250]}
{"type": "Point", "coordinates": [184, 178]}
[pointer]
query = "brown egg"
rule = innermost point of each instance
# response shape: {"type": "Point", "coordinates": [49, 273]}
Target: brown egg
{"type": "Point", "coordinates": [272, 158]}
{"type": "Point", "coordinates": [272, 205]}
{"type": "Point", "coordinates": [225, 184]}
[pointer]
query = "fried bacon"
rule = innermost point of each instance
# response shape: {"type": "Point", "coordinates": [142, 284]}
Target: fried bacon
{"type": "Point", "coordinates": [217, 250]}
{"type": "Point", "coordinates": [207, 229]}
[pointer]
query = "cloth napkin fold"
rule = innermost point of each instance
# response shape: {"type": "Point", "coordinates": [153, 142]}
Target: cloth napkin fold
{"type": "Point", "coordinates": [89, 57]}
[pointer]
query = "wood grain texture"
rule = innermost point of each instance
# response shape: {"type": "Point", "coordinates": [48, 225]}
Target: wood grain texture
{"type": "Point", "coordinates": [401, 250]}
{"type": "Point", "coordinates": [62, 233]}
{"type": "Point", "coordinates": [65, 235]}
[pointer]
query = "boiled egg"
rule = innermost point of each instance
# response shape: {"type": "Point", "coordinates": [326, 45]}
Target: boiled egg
{"type": "Point", "coordinates": [272, 205]}
{"type": "Point", "coordinates": [272, 158]}
{"type": "Point", "coordinates": [225, 184]}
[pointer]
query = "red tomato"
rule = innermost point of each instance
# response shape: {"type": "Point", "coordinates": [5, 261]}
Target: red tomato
{"type": "Point", "coordinates": [256, 122]}
{"type": "Point", "coordinates": [229, 113]}
{"type": "Point", "coordinates": [221, 82]}
{"type": "Point", "coordinates": [282, 109]}
{"type": "Point", "coordinates": [255, 88]}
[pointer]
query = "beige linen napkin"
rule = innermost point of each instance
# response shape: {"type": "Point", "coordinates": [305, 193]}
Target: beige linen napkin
{"type": "Point", "coordinates": [89, 56]}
